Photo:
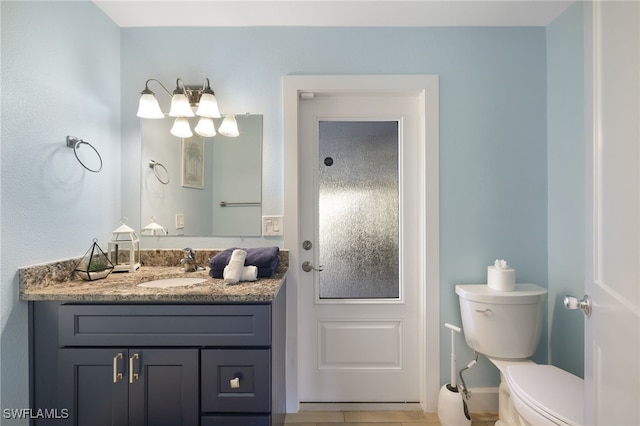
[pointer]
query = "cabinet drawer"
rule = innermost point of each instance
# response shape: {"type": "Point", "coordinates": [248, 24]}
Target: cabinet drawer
{"type": "Point", "coordinates": [235, 421]}
{"type": "Point", "coordinates": [164, 325]}
{"type": "Point", "coordinates": [251, 372]}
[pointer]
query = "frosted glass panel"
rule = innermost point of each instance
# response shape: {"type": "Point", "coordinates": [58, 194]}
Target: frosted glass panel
{"type": "Point", "coordinates": [358, 209]}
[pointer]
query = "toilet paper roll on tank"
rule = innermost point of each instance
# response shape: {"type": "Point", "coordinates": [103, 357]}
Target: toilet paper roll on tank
{"type": "Point", "coordinates": [501, 277]}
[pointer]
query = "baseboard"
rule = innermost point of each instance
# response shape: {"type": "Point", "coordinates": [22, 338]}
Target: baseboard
{"type": "Point", "coordinates": [483, 400]}
{"type": "Point", "coordinates": [359, 406]}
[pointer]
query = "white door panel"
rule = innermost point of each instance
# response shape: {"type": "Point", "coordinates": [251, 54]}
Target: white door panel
{"type": "Point", "coordinates": [612, 340]}
{"type": "Point", "coordinates": [360, 349]}
{"type": "Point", "coordinates": [351, 328]}
{"type": "Point", "coordinates": [364, 344]}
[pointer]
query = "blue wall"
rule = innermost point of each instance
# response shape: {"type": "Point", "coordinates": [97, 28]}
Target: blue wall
{"type": "Point", "coordinates": [496, 107]}
{"type": "Point", "coordinates": [493, 124]}
{"type": "Point", "coordinates": [567, 173]}
{"type": "Point", "coordinates": [60, 76]}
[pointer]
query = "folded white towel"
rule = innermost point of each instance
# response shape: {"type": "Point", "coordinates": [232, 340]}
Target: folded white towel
{"type": "Point", "coordinates": [249, 273]}
{"type": "Point", "coordinates": [233, 270]}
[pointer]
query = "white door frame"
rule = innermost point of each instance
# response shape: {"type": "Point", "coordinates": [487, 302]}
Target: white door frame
{"type": "Point", "coordinates": [426, 86]}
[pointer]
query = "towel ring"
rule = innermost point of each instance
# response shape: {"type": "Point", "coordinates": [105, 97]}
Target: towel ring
{"type": "Point", "coordinates": [73, 142]}
{"type": "Point", "coordinates": [155, 166]}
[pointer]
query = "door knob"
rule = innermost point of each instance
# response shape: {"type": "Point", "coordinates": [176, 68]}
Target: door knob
{"type": "Point", "coordinates": [308, 267]}
{"type": "Point", "coordinates": [571, 302]}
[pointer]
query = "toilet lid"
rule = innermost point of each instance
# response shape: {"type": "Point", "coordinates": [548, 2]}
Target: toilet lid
{"type": "Point", "coordinates": [552, 391]}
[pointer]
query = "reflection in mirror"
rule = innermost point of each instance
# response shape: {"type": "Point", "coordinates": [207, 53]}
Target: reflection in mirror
{"type": "Point", "coordinates": [214, 185]}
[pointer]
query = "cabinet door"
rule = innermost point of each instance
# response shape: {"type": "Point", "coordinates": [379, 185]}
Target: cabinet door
{"type": "Point", "coordinates": [262, 420]}
{"type": "Point", "coordinates": [164, 388]}
{"type": "Point", "coordinates": [92, 386]}
{"type": "Point", "coordinates": [236, 380]}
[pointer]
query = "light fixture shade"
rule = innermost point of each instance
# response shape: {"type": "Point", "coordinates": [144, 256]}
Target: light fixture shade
{"type": "Point", "coordinates": [181, 128]}
{"type": "Point", "coordinates": [229, 127]}
{"type": "Point", "coordinates": [180, 106]}
{"type": "Point", "coordinates": [208, 106]}
{"type": "Point", "coordinates": [148, 107]}
{"type": "Point", "coordinates": [205, 127]}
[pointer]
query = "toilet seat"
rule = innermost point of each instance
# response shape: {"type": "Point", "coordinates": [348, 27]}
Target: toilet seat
{"type": "Point", "coordinates": [553, 394]}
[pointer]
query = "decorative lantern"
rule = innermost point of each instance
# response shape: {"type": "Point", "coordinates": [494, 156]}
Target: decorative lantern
{"type": "Point", "coordinates": [124, 248]}
{"type": "Point", "coordinates": [94, 265]}
{"type": "Point", "coordinates": [154, 228]}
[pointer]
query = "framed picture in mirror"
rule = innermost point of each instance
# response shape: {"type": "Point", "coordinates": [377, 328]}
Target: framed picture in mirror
{"type": "Point", "coordinates": [193, 162]}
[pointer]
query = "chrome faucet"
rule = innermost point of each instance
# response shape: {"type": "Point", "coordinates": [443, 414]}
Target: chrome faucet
{"type": "Point", "coordinates": [189, 260]}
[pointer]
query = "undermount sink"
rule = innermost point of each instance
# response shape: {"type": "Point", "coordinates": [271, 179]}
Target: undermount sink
{"type": "Point", "coordinates": [172, 282]}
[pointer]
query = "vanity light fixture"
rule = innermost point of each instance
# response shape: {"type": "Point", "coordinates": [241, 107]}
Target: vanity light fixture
{"type": "Point", "coordinates": [181, 128]}
{"type": "Point", "coordinates": [229, 126]}
{"type": "Point", "coordinates": [183, 101]}
{"type": "Point", "coordinates": [205, 127]}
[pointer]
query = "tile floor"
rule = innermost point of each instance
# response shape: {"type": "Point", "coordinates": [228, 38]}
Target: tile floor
{"type": "Point", "coordinates": [377, 418]}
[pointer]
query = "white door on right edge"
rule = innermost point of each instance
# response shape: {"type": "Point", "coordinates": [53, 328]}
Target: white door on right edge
{"type": "Point", "coordinates": [612, 340]}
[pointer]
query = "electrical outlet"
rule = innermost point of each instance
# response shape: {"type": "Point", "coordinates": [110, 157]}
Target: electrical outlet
{"type": "Point", "coordinates": [179, 220]}
{"type": "Point", "coordinates": [271, 226]}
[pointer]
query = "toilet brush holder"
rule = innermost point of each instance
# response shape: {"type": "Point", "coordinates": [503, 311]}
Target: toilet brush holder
{"type": "Point", "coordinates": [452, 407]}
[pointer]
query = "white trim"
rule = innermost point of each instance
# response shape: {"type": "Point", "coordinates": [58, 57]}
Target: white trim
{"type": "Point", "coordinates": [359, 406]}
{"type": "Point", "coordinates": [483, 400]}
{"type": "Point", "coordinates": [427, 87]}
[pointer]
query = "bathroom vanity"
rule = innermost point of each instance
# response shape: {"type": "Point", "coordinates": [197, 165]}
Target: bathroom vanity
{"type": "Point", "coordinates": [109, 352]}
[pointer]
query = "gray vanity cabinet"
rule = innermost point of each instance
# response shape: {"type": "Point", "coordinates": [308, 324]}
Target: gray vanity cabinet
{"type": "Point", "coordinates": [156, 364]}
{"type": "Point", "coordinates": [116, 386]}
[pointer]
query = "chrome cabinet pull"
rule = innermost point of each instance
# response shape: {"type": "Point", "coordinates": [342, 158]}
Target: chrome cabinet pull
{"type": "Point", "coordinates": [133, 376]}
{"type": "Point", "coordinates": [116, 376]}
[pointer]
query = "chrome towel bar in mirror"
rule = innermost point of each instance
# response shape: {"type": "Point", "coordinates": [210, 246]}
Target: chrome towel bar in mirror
{"type": "Point", "coordinates": [159, 170]}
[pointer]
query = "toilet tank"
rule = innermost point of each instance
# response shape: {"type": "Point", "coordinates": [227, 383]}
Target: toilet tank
{"type": "Point", "coordinates": [502, 324]}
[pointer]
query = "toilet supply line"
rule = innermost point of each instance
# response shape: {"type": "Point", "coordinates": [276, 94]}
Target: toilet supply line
{"type": "Point", "coordinates": [463, 386]}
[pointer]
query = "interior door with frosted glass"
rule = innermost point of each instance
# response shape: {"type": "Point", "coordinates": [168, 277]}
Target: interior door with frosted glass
{"type": "Point", "coordinates": [359, 308]}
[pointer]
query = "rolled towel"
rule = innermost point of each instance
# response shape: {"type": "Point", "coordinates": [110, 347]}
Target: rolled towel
{"type": "Point", "coordinates": [249, 273]}
{"type": "Point", "coordinates": [265, 258]}
{"type": "Point", "coordinates": [236, 263]}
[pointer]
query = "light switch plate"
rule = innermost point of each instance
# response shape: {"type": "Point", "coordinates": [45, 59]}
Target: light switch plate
{"type": "Point", "coordinates": [272, 226]}
{"type": "Point", "coordinates": [179, 220]}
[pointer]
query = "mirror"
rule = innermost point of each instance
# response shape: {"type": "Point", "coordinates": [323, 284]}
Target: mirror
{"type": "Point", "coordinates": [202, 186]}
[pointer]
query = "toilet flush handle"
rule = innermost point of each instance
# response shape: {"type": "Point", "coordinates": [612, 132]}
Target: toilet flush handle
{"type": "Point", "coordinates": [487, 312]}
{"type": "Point", "coordinates": [571, 302]}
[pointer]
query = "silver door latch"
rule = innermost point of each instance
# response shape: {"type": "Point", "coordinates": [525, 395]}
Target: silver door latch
{"type": "Point", "coordinates": [308, 267]}
{"type": "Point", "coordinates": [571, 302]}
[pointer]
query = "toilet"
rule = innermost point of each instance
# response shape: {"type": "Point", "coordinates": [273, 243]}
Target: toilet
{"type": "Point", "coordinates": [506, 326]}
{"type": "Point", "coordinates": [545, 394]}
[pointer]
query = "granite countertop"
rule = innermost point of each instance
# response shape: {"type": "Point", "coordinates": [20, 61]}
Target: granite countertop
{"type": "Point", "coordinates": [57, 281]}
